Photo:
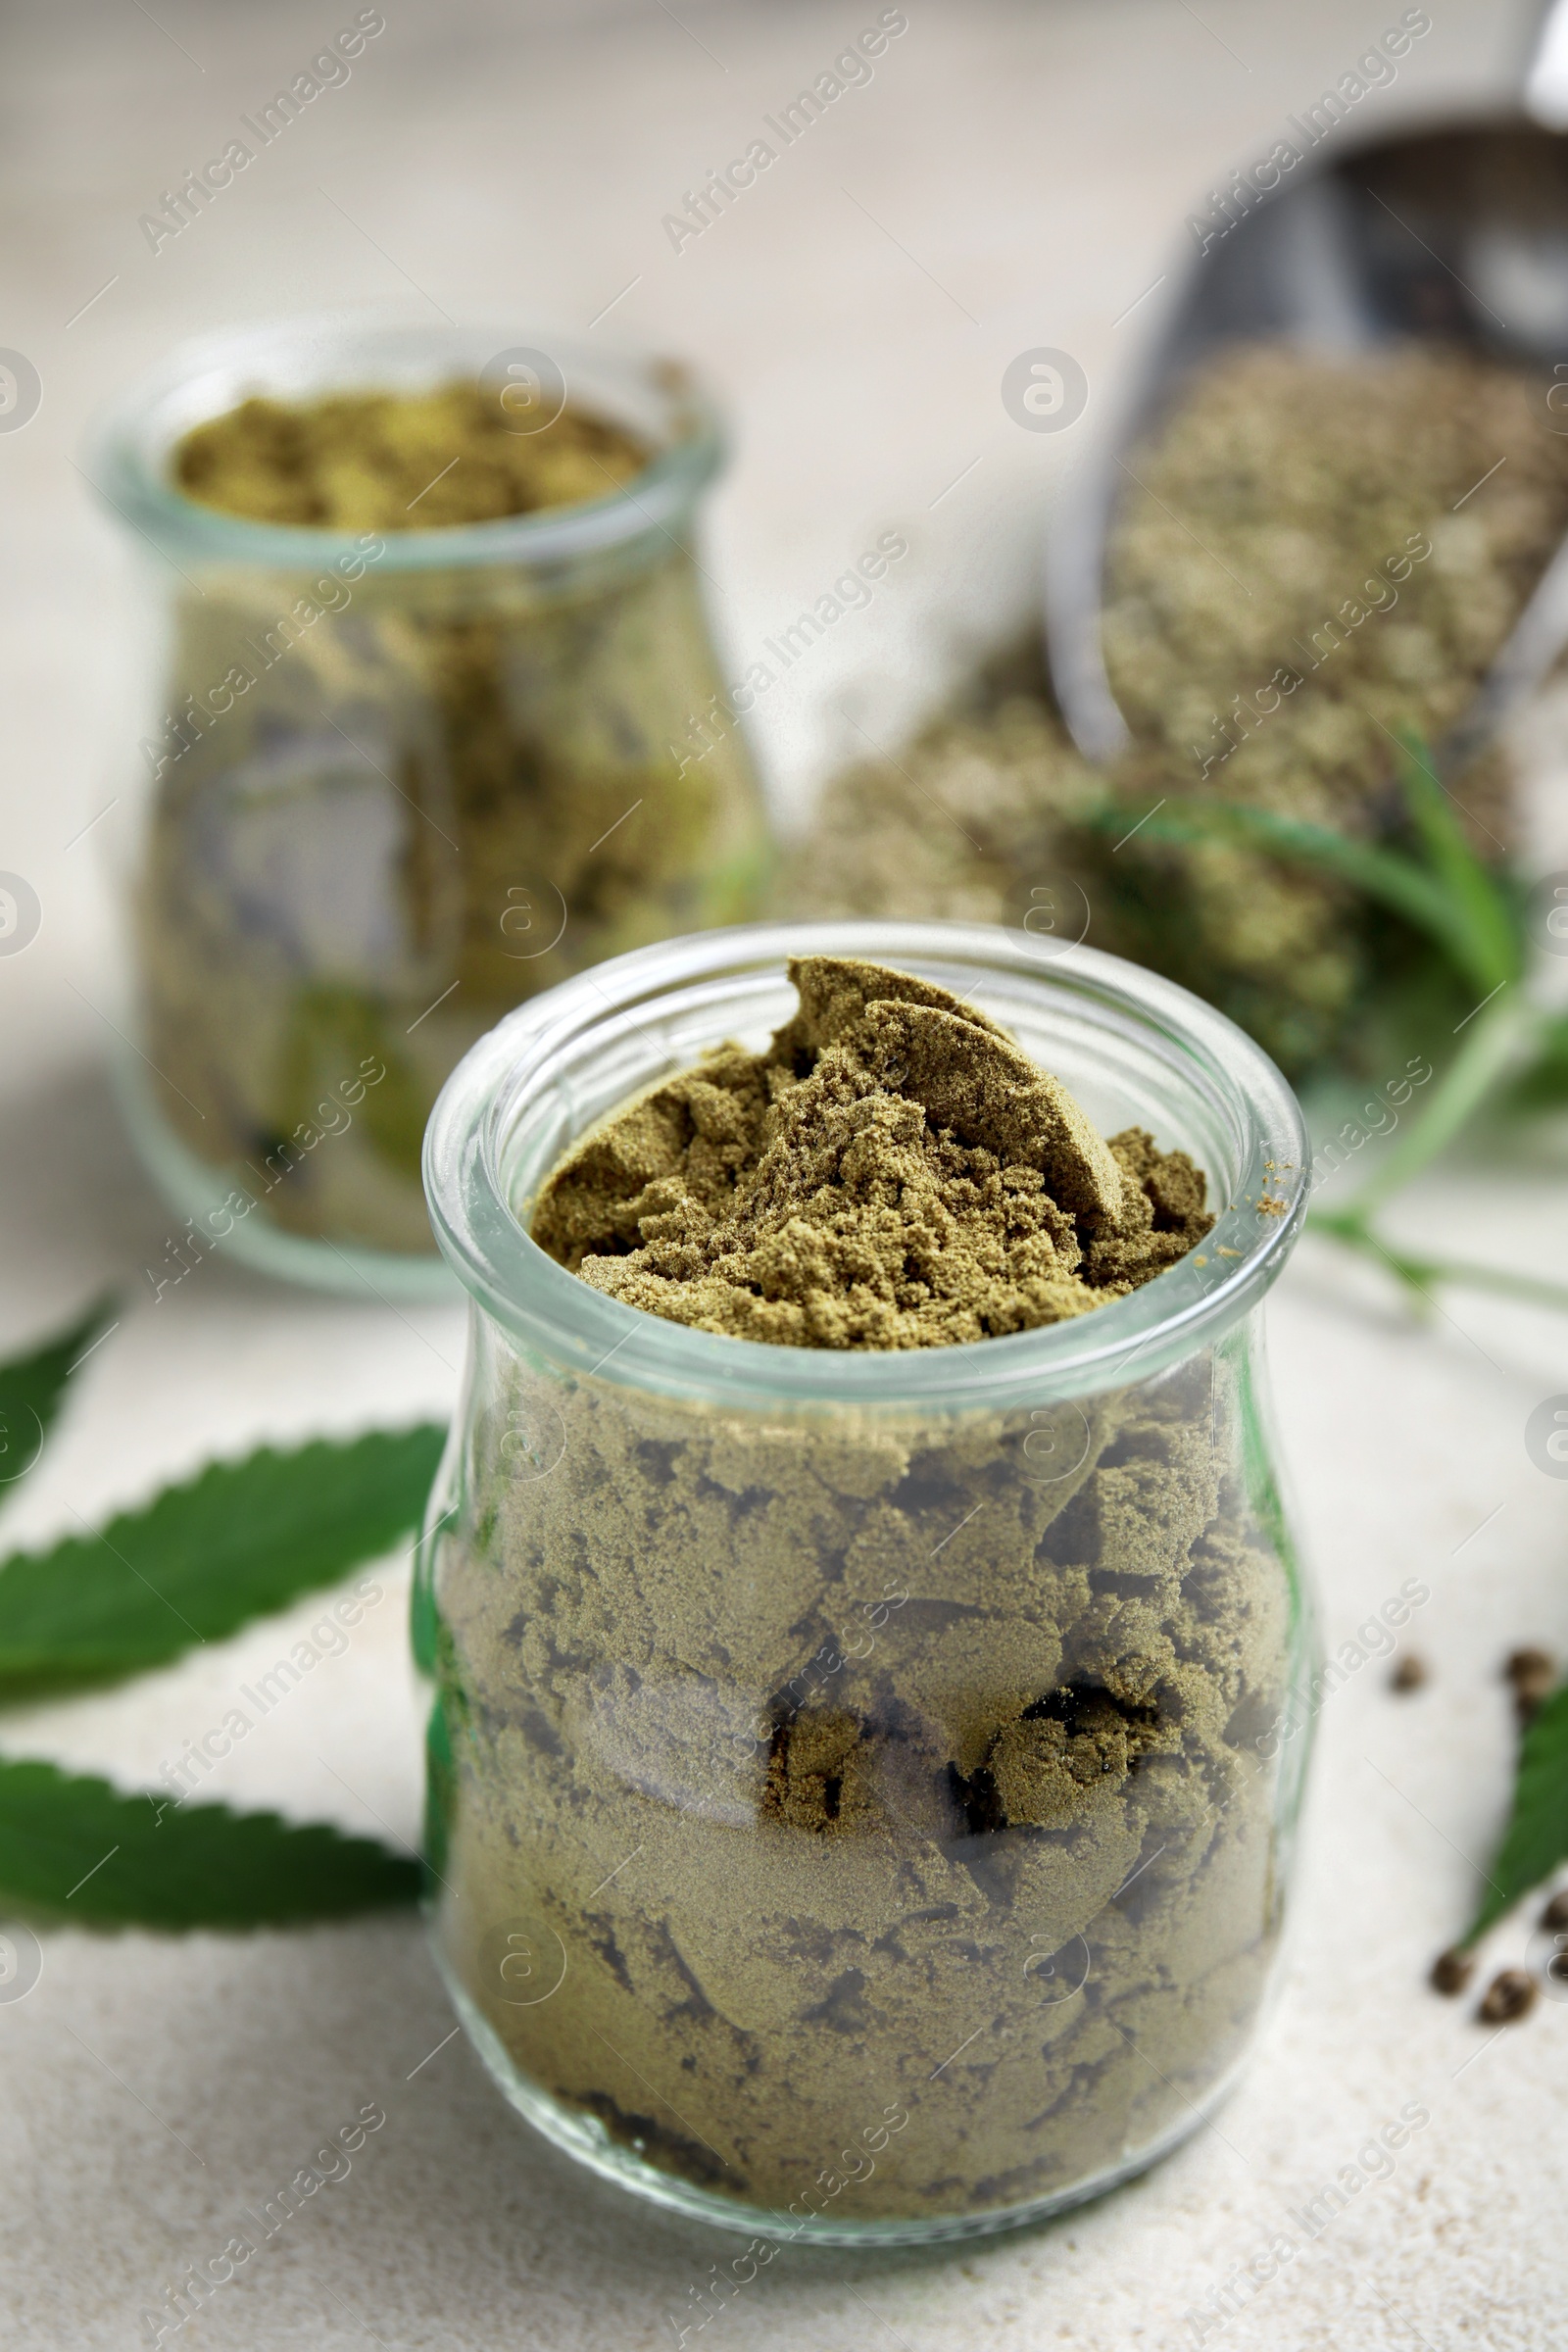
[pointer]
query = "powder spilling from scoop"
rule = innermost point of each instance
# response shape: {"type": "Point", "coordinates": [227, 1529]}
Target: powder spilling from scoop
{"type": "Point", "coordinates": [893, 1171]}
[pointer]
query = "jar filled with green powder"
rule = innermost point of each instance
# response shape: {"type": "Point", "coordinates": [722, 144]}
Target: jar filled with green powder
{"type": "Point", "coordinates": [434, 726]}
{"type": "Point", "coordinates": [864, 1640]}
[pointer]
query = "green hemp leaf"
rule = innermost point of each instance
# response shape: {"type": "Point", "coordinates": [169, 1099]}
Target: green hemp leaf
{"type": "Point", "coordinates": [78, 1849]}
{"type": "Point", "coordinates": [1536, 1840]}
{"type": "Point", "coordinates": [193, 1565]}
{"type": "Point", "coordinates": [1516, 1052]}
{"type": "Point", "coordinates": [1439, 886]}
{"type": "Point", "coordinates": [1544, 1085]}
{"type": "Point", "coordinates": [33, 1387]}
{"type": "Point", "coordinates": [201, 1559]}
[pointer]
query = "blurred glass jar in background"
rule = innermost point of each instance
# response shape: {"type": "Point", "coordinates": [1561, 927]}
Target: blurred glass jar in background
{"type": "Point", "coordinates": [396, 781]}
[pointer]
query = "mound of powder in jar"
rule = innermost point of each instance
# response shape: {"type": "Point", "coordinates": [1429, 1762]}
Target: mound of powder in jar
{"type": "Point", "coordinates": [399, 460]}
{"type": "Point", "coordinates": [892, 1173]}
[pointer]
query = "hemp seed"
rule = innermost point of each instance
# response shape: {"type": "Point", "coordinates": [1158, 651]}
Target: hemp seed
{"type": "Point", "coordinates": [1451, 1971]}
{"type": "Point", "coordinates": [1510, 1995]}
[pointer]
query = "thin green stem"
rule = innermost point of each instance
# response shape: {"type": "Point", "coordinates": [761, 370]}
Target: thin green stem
{"type": "Point", "coordinates": [1421, 897]}
{"type": "Point", "coordinates": [1495, 946]}
{"type": "Point", "coordinates": [1493, 1045]}
{"type": "Point", "coordinates": [1419, 1273]}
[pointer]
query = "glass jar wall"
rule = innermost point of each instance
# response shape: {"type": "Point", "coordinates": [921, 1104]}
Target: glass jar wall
{"type": "Point", "coordinates": [859, 1805]}
{"type": "Point", "coordinates": [397, 782]}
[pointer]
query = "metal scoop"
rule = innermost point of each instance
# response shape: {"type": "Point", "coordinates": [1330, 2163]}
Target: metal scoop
{"type": "Point", "coordinates": [1454, 235]}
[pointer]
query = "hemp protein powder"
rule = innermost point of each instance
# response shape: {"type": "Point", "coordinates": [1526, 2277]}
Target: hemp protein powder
{"type": "Point", "coordinates": [1305, 563]}
{"type": "Point", "coordinates": [891, 1173]}
{"type": "Point", "coordinates": [835, 1770]}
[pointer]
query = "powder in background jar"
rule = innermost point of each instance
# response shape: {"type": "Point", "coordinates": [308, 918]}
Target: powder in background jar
{"type": "Point", "coordinates": [395, 798]}
{"type": "Point", "coordinates": [399, 460]}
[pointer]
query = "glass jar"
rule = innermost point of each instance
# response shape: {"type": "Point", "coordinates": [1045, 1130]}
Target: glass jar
{"type": "Point", "coordinates": [859, 1799]}
{"type": "Point", "coordinates": [398, 783]}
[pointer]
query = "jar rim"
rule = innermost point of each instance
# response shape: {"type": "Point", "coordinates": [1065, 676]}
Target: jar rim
{"type": "Point", "coordinates": [127, 448]}
{"type": "Point", "coordinates": [553, 1313]}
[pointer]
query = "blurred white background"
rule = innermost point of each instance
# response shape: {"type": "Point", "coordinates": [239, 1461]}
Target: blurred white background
{"type": "Point", "coordinates": [1012, 176]}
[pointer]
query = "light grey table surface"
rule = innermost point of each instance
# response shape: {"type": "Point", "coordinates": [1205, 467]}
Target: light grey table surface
{"type": "Point", "coordinates": [1012, 176]}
